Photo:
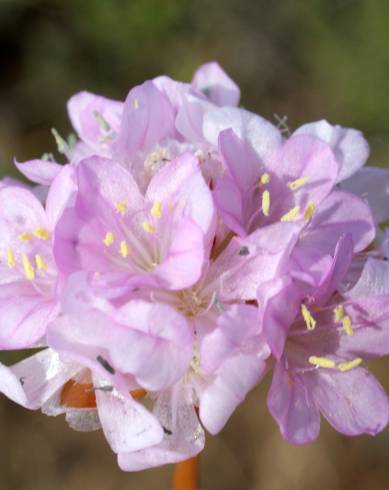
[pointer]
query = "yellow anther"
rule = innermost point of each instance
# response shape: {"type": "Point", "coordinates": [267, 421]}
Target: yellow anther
{"type": "Point", "coordinates": [109, 238]}
{"type": "Point", "coordinates": [42, 233]}
{"type": "Point", "coordinates": [11, 260]}
{"type": "Point", "coordinates": [310, 209]}
{"type": "Point", "coordinates": [40, 263]}
{"type": "Point", "coordinates": [25, 237]}
{"type": "Point", "coordinates": [338, 313]}
{"type": "Point", "coordinates": [310, 322]}
{"type": "Point", "coordinates": [136, 104]}
{"type": "Point", "coordinates": [346, 366]}
{"type": "Point", "coordinates": [156, 210]}
{"type": "Point", "coordinates": [322, 362]}
{"type": "Point", "coordinates": [265, 179]}
{"type": "Point", "coordinates": [296, 184]}
{"type": "Point", "coordinates": [347, 325]}
{"type": "Point", "coordinates": [28, 268]}
{"type": "Point", "coordinates": [124, 249]}
{"type": "Point", "coordinates": [121, 208]}
{"type": "Point", "coordinates": [291, 215]}
{"type": "Point", "coordinates": [266, 203]}
{"type": "Point", "coordinates": [147, 226]}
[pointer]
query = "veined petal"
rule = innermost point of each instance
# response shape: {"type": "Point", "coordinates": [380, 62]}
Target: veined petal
{"type": "Point", "coordinates": [293, 408]}
{"type": "Point", "coordinates": [127, 425]}
{"type": "Point", "coordinates": [183, 438]}
{"type": "Point", "coordinates": [353, 402]}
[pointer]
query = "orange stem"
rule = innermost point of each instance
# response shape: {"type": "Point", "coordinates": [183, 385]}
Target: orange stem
{"type": "Point", "coordinates": [186, 475]}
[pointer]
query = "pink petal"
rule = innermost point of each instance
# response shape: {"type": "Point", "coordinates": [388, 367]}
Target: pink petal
{"type": "Point", "coordinates": [214, 82]}
{"type": "Point", "coordinates": [39, 171]}
{"type": "Point", "coordinates": [353, 402]}
{"type": "Point", "coordinates": [236, 377]}
{"type": "Point", "coordinates": [350, 147]}
{"type": "Point", "coordinates": [291, 405]}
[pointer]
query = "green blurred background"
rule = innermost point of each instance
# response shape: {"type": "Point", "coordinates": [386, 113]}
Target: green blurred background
{"type": "Point", "coordinates": [307, 59]}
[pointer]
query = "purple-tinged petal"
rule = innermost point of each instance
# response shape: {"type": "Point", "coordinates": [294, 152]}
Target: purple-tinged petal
{"type": "Point", "coordinates": [247, 263]}
{"type": "Point", "coordinates": [148, 118]}
{"type": "Point", "coordinates": [350, 147]}
{"type": "Point", "coordinates": [102, 182]}
{"type": "Point", "coordinates": [183, 439]}
{"type": "Point", "coordinates": [236, 377]}
{"type": "Point", "coordinates": [150, 342]}
{"type": "Point", "coordinates": [61, 194]}
{"type": "Point", "coordinates": [39, 171]}
{"type": "Point", "coordinates": [353, 402]}
{"type": "Point", "coordinates": [96, 119]}
{"type": "Point", "coordinates": [182, 266]}
{"type": "Point", "coordinates": [372, 185]}
{"type": "Point", "coordinates": [20, 210]}
{"type": "Point", "coordinates": [263, 136]}
{"type": "Point", "coordinates": [180, 183]}
{"type": "Point", "coordinates": [291, 405]}
{"type": "Point", "coordinates": [240, 159]}
{"type": "Point", "coordinates": [279, 301]}
{"type": "Point", "coordinates": [24, 315]}
{"type": "Point", "coordinates": [234, 326]}
{"type": "Point", "coordinates": [126, 424]}
{"type": "Point", "coordinates": [214, 82]}
{"type": "Point", "coordinates": [308, 158]}
{"type": "Point", "coordinates": [190, 117]}
{"type": "Point", "coordinates": [338, 214]}
{"type": "Point", "coordinates": [342, 259]}
{"type": "Point", "coordinates": [374, 280]}
{"type": "Point", "coordinates": [172, 89]}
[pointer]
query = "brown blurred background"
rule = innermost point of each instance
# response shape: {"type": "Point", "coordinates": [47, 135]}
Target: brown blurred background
{"type": "Point", "coordinates": [304, 59]}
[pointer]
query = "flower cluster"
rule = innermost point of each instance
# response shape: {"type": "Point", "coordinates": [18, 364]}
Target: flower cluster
{"type": "Point", "coordinates": [186, 248]}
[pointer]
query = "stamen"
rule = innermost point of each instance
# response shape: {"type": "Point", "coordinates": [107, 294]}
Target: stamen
{"type": "Point", "coordinates": [296, 184]}
{"type": "Point", "coordinates": [346, 366]}
{"type": "Point", "coordinates": [338, 313]}
{"type": "Point", "coordinates": [156, 210]}
{"type": "Point", "coordinates": [136, 104]}
{"type": "Point", "coordinates": [347, 325]}
{"type": "Point", "coordinates": [291, 215]}
{"type": "Point", "coordinates": [42, 233]}
{"type": "Point", "coordinates": [121, 208]}
{"type": "Point", "coordinates": [25, 237]}
{"type": "Point", "coordinates": [266, 203]}
{"type": "Point", "coordinates": [28, 268]}
{"type": "Point", "coordinates": [11, 260]}
{"type": "Point", "coordinates": [40, 263]}
{"type": "Point", "coordinates": [322, 362]}
{"type": "Point", "coordinates": [309, 211]}
{"type": "Point", "coordinates": [310, 322]}
{"type": "Point", "coordinates": [147, 226]}
{"type": "Point", "coordinates": [109, 238]}
{"type": "Point", "coordinates": [124, 249]}
{"type": "Point", "coordinates": [265, 179]}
